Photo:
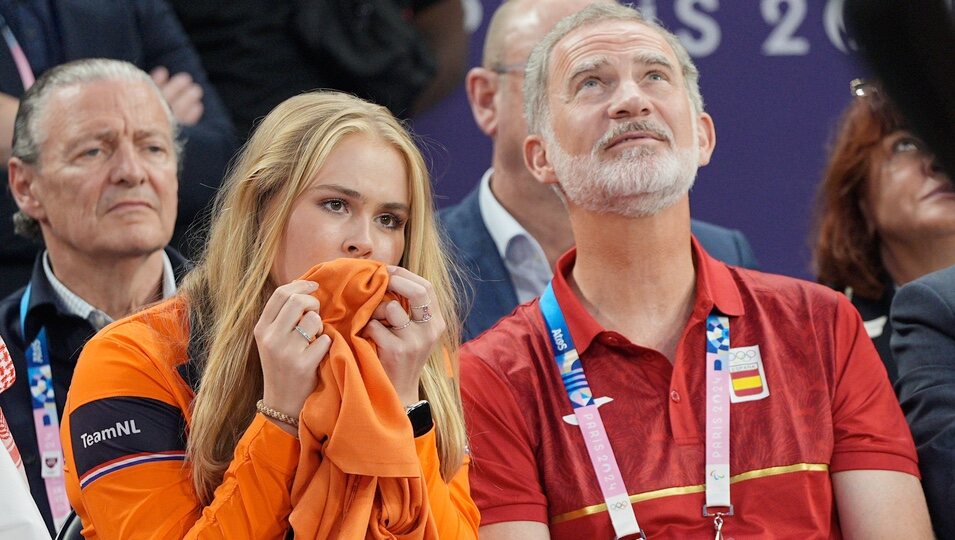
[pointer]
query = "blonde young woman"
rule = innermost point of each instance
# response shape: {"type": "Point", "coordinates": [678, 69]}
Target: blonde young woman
{"type": "Point", "coordinates": [182, 420]}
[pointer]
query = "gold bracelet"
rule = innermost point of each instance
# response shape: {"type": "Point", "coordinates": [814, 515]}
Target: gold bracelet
{"type": "Point", "coordinates": [277, 415]}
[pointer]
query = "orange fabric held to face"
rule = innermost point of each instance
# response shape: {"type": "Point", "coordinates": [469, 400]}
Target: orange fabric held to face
{"type": "Point", "coordinates": [358, 474]}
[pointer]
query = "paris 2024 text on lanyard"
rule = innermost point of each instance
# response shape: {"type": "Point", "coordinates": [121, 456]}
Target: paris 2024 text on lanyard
{"type": "Point", "coordinates": [592, 428]}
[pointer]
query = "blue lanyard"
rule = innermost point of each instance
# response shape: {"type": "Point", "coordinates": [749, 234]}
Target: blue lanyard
{"type": "Point", "coordinates": [38, 360]}
{"type": "Point", "coordinates": [602, 457]}
{"type": "Point", "coordinates": [46, 421]}
{"type": "Point", "coordinates": [568, 361]}
{"type": "Point", "coordinates": [598, 445]}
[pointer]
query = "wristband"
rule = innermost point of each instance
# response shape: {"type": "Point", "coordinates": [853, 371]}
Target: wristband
{"type": "Point", "coordinates": [276, 415]}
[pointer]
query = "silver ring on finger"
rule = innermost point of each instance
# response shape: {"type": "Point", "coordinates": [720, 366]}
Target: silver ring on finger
{"type": "Point", "coordinates": [403, 326]}
{"type": "Point", "coordinates": [304, 334]}
{"type": "Point", "coordinates": [425, 317]}
{"type": "Point", "coordinates": [425, 313]}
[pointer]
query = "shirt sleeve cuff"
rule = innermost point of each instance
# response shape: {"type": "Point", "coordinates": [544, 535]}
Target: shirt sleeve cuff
{"type": "Point", "coordinates": [514, 512]}
{"type": "Point", "coordinates": [855, 461]}
{"type": "Point", "coordinates": [427, 448]}
{"type": "Point", "coordinates": [271, 446]}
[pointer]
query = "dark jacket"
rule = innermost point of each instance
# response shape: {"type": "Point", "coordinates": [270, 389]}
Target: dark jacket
{"type": "Point", "coordinates": [147, 34]}
{"type": "Point", "coordinates": [923, 345]}
{"type": "Point", "coordinates": [66, 335]}
{"type": "Point", "coordinates": [489, 293]}
{"type": "Point", "coordinates": [875, 314]}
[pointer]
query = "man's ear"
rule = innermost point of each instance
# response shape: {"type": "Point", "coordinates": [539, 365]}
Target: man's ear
{"type": "Point", "coordinates": [535, 159]}
{"type": "Point", "coordinates": [706, 138]}
{"type": "Point", "coordinates": [21, 180]}
{"type": "Point", "coordinates": [481, 86]}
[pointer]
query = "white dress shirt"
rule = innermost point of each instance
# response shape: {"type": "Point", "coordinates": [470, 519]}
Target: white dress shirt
{"type": "Point", "coordinates": [522, 255]}
{"type": "Point", "coordinates": [75, 305]}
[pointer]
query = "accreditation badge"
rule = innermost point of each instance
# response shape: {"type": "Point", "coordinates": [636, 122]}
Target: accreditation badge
{"type": "Point", "coordinates": [747, 376]}
{"type": "Point", "coordinates": [51, 465]}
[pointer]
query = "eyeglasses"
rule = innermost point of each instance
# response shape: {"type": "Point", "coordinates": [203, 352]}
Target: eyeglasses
{"type": "Point", "coordinates": [863, 88]}
{"type": "Point", "coordinates": [501, 69]}
{"type": "Point", "coordinates": [905, 149]}
{"type": "Point", "coordinates": [871, 93]}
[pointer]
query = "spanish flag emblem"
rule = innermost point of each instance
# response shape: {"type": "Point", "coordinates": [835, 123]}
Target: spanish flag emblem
{"type": "Point", "coordinates": [747, 377]}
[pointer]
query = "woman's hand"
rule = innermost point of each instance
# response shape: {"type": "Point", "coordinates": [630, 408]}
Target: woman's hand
{"type": "Point", "coordinates": [291, 345]}
{"type": "Point", "coordinates": [404, 342]}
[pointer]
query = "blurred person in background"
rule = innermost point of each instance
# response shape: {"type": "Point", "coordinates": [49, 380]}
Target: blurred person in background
{"type": "Point", "coordinates": [403, 54]}
{"type": "Point", "coordinates": [923, 345]}
{"type": "Point", "coordinates": [885, 212]}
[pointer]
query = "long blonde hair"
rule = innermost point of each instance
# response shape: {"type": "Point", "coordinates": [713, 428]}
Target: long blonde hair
{"type": "Point", "coordinates": [227, 290]}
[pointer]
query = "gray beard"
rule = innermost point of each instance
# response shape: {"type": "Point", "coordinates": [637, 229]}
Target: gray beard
{"type": "Point", "coordinates": [638, 183]}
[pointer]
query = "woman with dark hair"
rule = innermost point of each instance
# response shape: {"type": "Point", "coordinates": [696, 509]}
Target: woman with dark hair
{"type": "Point", "coordinates": [885, 213]}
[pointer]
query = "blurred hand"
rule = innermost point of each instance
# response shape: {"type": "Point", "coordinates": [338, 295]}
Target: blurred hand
{"type": "Point", "coordinates": [290, 359]}
{"type": "Point", "coordinates": [182, 93]}
{"type": "Point", "coordinates": [405, 341]}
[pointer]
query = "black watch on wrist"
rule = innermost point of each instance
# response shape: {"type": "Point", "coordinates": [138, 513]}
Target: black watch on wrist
{"type": "Point", "coordinates": [420, 416]}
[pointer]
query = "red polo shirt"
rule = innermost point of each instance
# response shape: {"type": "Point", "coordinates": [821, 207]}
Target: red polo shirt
{"type": "Point", "coordinates": [830, 408]}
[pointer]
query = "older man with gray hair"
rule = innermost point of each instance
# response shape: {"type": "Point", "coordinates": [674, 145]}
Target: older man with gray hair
{"type": "Point", "coordinates": [510, 229]}
{"type": "Point", "coordinates": [650, 381]}
{"type": "Point", "coordinates": [94, 173]}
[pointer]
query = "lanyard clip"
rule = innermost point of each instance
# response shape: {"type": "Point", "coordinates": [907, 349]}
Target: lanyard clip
{"type": "Point", "coordinates": [718, 518]}
{"type": "Point", "coordinates": [718, 526]}
{"type": "Point", "coordinates": [707, 513]}
{"type": "Point", "coordinates": [639, 535]}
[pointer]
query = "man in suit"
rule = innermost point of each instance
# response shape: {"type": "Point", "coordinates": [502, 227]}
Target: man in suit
{"type": "Point", "coordinates": [94, 173]}
{"type": "Point", "coordinates": [142, 32]}
{"type": "Point", "coordinates": [923, 345]}
{"type": "Point", "coordinates": [509, 230]}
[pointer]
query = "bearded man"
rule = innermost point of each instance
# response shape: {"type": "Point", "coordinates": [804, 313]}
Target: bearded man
{"type": "Point", "coordinates": [509, 231]}
{"type": "Point", "coordinates": [651, 381]}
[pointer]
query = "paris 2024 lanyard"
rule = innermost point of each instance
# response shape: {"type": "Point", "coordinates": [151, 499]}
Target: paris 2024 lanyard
{"type": "Point", "coordinates": [592, 428]}
{"type": "Point", "coordinates": [45, 418]}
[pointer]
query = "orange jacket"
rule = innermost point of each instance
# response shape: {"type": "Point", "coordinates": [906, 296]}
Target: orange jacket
{"type": "Point", "coordinates": [126, 419]}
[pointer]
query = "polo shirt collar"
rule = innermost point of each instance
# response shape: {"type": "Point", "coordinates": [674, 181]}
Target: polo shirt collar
{"type": "Point", "coordinates": [715, 284]}
{"type": "Point", "coordinates": [715, 287]}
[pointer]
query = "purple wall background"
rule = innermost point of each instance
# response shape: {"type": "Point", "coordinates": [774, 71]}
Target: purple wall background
{"type": "Point", "coordinates": [774, 80]}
